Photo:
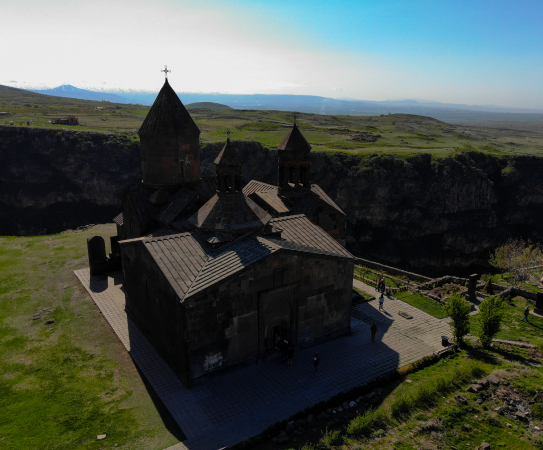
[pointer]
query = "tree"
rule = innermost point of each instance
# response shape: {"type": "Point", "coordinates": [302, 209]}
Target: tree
{"type": "Point", "coordinates": [518, 258]}
{"type": "Point", "coordinates": [458, 309]}
{"type": "Point", "coordinates": [489, 319]}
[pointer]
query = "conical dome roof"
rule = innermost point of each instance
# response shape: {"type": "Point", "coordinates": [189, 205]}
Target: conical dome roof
{"type": "Point", "coordinates": [295, 140]}
{"type": "Point", "coordinates": [235, 213]}
{"type": "Point", "coordinates": [228, 156]}
{"type": "Point", "coordinates": [168, 116]}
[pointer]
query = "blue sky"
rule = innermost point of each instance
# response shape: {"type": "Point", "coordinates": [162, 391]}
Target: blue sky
{"type": "Point", "coordinates": [473, 52]}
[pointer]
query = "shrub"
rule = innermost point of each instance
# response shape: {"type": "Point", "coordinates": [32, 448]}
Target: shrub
{"type": "Point", "coordinates": [489, 319]}
{"type": "Point", "coordinates": [537, 411]}
{"type": "Point", "coordinates": [458, 309]}
{"type": "Point", "coordinates": [329, 439]}
{"type": "Point", "coordinates": [371, 420]}
{"type": "Point", "coordinates": [489, 289]}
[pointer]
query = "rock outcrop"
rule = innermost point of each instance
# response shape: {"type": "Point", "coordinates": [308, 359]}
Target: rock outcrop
{"type": "Point", "coordinates": [428, 215]}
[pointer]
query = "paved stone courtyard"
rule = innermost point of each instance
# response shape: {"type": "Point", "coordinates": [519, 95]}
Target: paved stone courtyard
{"type": "Point", "coordinates": [240, 404]}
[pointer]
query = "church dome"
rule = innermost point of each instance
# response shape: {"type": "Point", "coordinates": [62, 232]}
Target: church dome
{"type": "Point", "coordinates": [168, 116]}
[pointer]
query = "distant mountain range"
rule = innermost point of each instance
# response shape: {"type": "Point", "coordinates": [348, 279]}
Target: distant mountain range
{"type": "Point", "coordinates": [302, 103]}
{"type": "Point", "coordinates": [67, 90]}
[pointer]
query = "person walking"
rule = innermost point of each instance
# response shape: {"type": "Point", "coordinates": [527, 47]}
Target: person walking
{"type": "Point", "coordinates": [381, 302]}
{"type": "Point", "coordinates": [383, 285]}
{"type": "Point", "coordinates": [373, 329]}
{"type": "Point", "coordinates": [316, 362]}
{"type": "Point", "coordinates": [526, 312]}
{"type": "Point", "coordinates": [379, 281]}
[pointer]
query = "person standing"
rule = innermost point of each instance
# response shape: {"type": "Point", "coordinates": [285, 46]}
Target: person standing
{"type": "Point", "coordinates": [379, 283]}
{"type": "Point", "coordinates": [373, 329]}
{"type": "Point", "coordinates": [290, 357]}
{"type": "Point", "coordinates": [316, 362]}
{"type": "Point", "coordinates": [383, 284]}
{"type": "Point", "coordinates": [526, 312]}
{"type": "Point", "coordinates": [284, 350]}
{"type": "Point", "coordinates": [381, 302]}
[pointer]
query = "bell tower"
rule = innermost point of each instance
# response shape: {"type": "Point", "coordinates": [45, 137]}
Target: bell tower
{"type": "Point", "coordinates": [294, 165]}
{"type": "Point", "coordinates": [228, 167]}
{"type": "Point", "coordinates": [170, 143]}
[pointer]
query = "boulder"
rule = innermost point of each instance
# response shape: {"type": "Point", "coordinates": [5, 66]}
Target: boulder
{"type": "Point", "coordinates": [282, 438]}
{"type": "Point", "coordinates": [290, 427]}
{"type": "Point", "coordinates": [466, 427]}
{"type": "Point", "coordinates": [484, 382]}
{"type": "Point", "coordinates": [352, 404]}
{"type": "Point", "coordinates": [499, 410]}
{"type": "Point", "coordinates": [520, 416]}
{"type": "Point", "coordinates": [310, 419]}
{"type": "Point", "coordinates": [493, 379]}
{"type": "Point", "coordinates": [322, 416]}
{"type": "Point", "coordinates": [484, 446]}
{"type": "Point", "coordinates": [475, 388]}
{"type": "Point", "coordinates": [461, 399]}
{"type": "Point", "coordinates": [300, 423]}
{"type": "Point", "coordinates": [345, 405]}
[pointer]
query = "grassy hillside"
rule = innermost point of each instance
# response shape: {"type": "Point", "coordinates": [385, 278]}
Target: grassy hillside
{"type": "Point", "coordinates": [64, 383]}
{"type": "Point", "coordinates": [400, 134]}
{"type": "Point", "coordinates": [207, 105]}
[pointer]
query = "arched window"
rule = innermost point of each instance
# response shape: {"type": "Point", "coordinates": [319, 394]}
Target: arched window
{"type": "Point", "coordinates": [303, 175]}
{"type": "Point", "coordinates": [227, 183]}
{"type": "Point", "coordinates": [291, 174]}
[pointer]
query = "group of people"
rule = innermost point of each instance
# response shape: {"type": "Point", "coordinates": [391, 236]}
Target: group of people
{"type": "Point", "coordinates": [287, 352]}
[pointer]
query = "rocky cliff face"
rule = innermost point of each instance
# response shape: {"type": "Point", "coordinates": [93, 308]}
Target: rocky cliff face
{"type": "Point", "coordinates": [431, 216]}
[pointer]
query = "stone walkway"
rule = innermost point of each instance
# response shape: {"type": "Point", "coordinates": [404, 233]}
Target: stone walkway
{"type": "Point", "coordinates": [241, 404]}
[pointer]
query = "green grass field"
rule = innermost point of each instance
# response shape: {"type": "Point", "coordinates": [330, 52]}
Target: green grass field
{"type": "Point", "coordinates": [63, 384]}
{"type": "Point", "coordinates": [397, 134]}
{"type": "Point", "coordinates": [423, 303]}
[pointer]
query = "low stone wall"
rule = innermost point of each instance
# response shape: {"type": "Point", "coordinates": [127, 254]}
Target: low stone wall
{"type": "Point", "coordinates": [392, 270]}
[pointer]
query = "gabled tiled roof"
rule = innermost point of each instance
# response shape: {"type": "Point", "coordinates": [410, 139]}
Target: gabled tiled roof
{"type": "Point", "coordinates": [182, 198]}
{"type": "Point", "coordinates": [206, 187]}
{"type": "Point", "coordinates": [273, 201]}
{"type": "Point", "coordinates": [268, 194]}
{"type": "Point", "coordinates": [160, 232]}
{"type": "Point", "coordinates": [190, 265]}
{"type": "Point", "coordinates": [324, 196]}
{"type": "Point", "coordinates": [257, 186]}
{"type": "Point", "coordinates": [180, 257]}
{"type": "Point", "coordinates": [230, 259]}
{"type": "Point", "coordinates": [181, 225]}
{"type": "Point", "coordinates": [294, 141]}
{"type": "Point", "coordinates": [230, 212]}
{"type": "Point", "coordinates": [228, 156]}
{"type": "Point", "coordinates": [119, 219]}
{"type": "Point", "coordinates": [299, 229]}
{"type": "Point", "coordinates": [168, 116]}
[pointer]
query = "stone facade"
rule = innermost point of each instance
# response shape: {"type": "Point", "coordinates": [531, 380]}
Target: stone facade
{"type": "Point", "coordinates": [303, 298]}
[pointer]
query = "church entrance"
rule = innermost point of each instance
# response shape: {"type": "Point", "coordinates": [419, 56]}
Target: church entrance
{"type": "Point", "coordinates": [276, 318]}
{"type": "Point", "coordinates": [276, 332]}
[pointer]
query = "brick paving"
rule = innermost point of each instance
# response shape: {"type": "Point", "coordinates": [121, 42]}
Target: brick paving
{"type": "Point", "coordinates": [240, 404]}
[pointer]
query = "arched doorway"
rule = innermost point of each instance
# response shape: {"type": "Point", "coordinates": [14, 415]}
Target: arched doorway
{"type": "Point", "coordinates": [276, 331]}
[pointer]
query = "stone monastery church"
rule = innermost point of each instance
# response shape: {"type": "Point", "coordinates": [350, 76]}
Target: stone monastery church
{"type": "Point", "coordinates": [216, 272]}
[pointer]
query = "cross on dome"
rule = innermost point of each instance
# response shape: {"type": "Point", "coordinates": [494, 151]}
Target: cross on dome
{"type": "Point", "coordinates": [166, 71]}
